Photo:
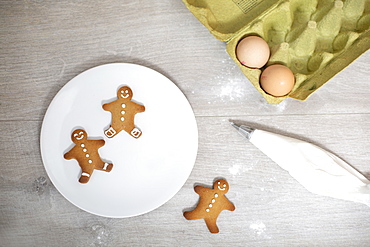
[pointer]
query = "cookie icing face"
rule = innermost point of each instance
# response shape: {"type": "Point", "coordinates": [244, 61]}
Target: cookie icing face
{"type": "Point", "coordinates": [221, 185]}
{"type": "Point", "coordinates": [125, 93]}
{"type": "Point", "coordinates": [79, 135]}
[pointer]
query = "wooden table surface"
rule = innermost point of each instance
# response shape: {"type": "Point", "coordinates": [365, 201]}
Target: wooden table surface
{"type": "Point", "coordinates": [44, 44]}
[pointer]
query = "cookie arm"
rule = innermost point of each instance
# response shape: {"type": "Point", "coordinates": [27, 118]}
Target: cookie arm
{"type": "Point", "coordinates": [69, 154]}
{"type": "Point", "coordinates": [192, 215]}
{"type": "Point", "coordinates": [138, 107]}
{"type": "Point", "coordinates": [100, 143]}
{"type": "Point", "coordinates": [109, 106]}
{"type": "Point", "coordinates": [230, 206]}
{"type": "Point", "coordinates": [200, 189]}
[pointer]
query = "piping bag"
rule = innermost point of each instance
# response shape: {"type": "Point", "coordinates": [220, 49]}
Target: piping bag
{"type": "Point", "coordinates": [318, 170]}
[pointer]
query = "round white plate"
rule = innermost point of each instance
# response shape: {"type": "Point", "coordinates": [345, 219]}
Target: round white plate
{"type": "Point", "coordinates": [147, 171]}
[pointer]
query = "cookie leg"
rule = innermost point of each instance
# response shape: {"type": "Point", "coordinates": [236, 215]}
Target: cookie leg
{"type": "Point", "coordinates": [110, 132]}
{"type": "Point", "coordinates": [211, 224]}
{"type": "Point", "coordinates": [85, 177]}
{"type": "Point", "coordinates": [107, 167]}
{"type": "Point", "coordinates": [135, 132]}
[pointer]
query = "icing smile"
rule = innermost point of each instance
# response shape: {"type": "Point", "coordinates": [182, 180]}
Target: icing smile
{"type": "Point", "coordinates": [79, 136]}
{"type": "Point", "coordinates": [221, 188]}
{"type": "Point", "coordinates": [125, 94]}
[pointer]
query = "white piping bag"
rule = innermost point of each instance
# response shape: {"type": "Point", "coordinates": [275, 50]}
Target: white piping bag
{"type": "Point", "coordinates": [318, 170]}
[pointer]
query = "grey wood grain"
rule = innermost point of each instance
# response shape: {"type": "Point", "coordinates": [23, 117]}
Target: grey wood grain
{"type": "Point", "coordinates": [44, 44]}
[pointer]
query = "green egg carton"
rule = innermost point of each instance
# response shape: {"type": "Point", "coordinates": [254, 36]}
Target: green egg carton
{"type": "Point", "coordinates": [316, 39]}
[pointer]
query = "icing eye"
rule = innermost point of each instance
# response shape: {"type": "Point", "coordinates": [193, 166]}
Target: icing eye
{"type": "Point", "coordinates": [219, 182]}
{"type": "Point", "coordinates": [122, 91]}
{"type": "Point", "coordinates": [81, 133]}
{"type": "Point", "coordinates": [224, 185]}
{"type": "Point", "coordinates": [75, 135]}
{"type": "Point", "coordinates": [126, 91]}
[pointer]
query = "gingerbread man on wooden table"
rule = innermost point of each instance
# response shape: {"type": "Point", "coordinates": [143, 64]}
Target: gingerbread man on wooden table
{"type": "Point", "coordinates": [211, 203]}
{"type": "Point", "coordinates": [86, 153]}
{"type": "Point", "coordinates": [123, 113]}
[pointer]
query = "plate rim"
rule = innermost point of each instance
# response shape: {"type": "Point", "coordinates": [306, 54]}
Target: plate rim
{"type": "Point", "coordinates": [52, 103]}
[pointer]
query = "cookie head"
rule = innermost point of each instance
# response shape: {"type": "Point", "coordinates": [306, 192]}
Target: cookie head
{"type": "Point", "coordinates": [221, 185]}
{"type": "Point", "coordinates": [125, 93]}
{"type": "Point", "coordinates": [79, 135]}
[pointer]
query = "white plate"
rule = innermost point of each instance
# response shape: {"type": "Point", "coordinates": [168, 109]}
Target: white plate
{"type": "Point", "coordinates": [147, 171]}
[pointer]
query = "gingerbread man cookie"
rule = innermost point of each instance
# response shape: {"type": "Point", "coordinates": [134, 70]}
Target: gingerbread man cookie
{"type": "Point", "coordinates": [211, 203]}
{"type": "Point", "coordinates": [86, 153]}
{"type": "Point", "coordinates": [123, 113]}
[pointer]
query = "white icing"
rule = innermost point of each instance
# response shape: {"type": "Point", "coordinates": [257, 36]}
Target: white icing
{"type": "Point", "coordinates": [122, 119]}
{"type": "Point", "coordinates": [123, 112]}
{"type": "Point", "coordinates": [221, 188]}
{"type": "Point", "coordinates": [90, 161]}
{"type": "Point", "coordinates": [79, 136]}
{"type": "Point", "coordinates": [135, 132]}
{"type": "Point", "coordinates": [105, 166]}
{"type": "Point", "coordinates": [210, 205]}
{"type": "Point", "coordinates": [82, 145]}
{"type": "Point", "coordinates": [85, 150]}
{"type": "Point", "coordinates": [213, 200]}
{"type": "Point", "coordinates": [207, 210]}
{"type": "Point", "coordinates": [125, 92]}
{"type": "Point", "coordinates": [110, 132]}
{"type": "Point", "coordinates": [87, 155]}
{"type": "Point", "coordinates": [85, 174]}
{"type": "Point", "coordinates": [123, 105]}
{"type": "Point", "coordinates": [216, 195]}
{"type": "Point", "coordinates": [316, 169]}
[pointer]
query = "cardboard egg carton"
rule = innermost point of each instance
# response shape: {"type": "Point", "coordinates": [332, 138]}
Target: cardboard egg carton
{"type": "Point", "coordinates": [316, 39]}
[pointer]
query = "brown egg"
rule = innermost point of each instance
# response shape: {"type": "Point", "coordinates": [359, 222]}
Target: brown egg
{"type": "Point", "coordinates": [253, 52]}
{"type": "Point", "coordinates": [277, 80]}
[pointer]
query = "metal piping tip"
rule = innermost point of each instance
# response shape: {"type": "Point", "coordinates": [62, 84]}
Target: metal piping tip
{"type": "Point", "coordinates": [245, 131]}
{"type": "Point", "coordinates": [234, 125]}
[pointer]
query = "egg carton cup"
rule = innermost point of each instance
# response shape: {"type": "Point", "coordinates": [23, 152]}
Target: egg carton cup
{"type": "Point", "coordinates": [316, 39]}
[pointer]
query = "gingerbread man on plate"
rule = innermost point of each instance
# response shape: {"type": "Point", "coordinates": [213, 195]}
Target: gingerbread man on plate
{"type": "Point", "coordinates": [123, 113]}
{"type": "Point", "coordinates": [86, 153]}
{"type": "Point", "coordinates": [211, 203]}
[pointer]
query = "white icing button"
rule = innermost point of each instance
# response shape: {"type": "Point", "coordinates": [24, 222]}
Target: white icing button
{"type": "Point", "coordinates": [122, 119]}
{"type": "Point", "coordinates": [90, 161]}
{"type": "Point", "coordinates": [123, 112]}
{"type": "Point", "coordinates": [82, 145]}
{"type": "Point", "coordinates": [123, 105]}
{"type": "Point", "coordinates": [216, 195]}
{"type": "Point", "coordinates": [85, 150]}
{"type": "Point", "coordinates": [207, 209]}
{"type": "Point", "coordinates": [213, 200]}
{"type": "Point", "coordinates": [87, 155]}
{"type": "Point", "coordinates": [210, 205]}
